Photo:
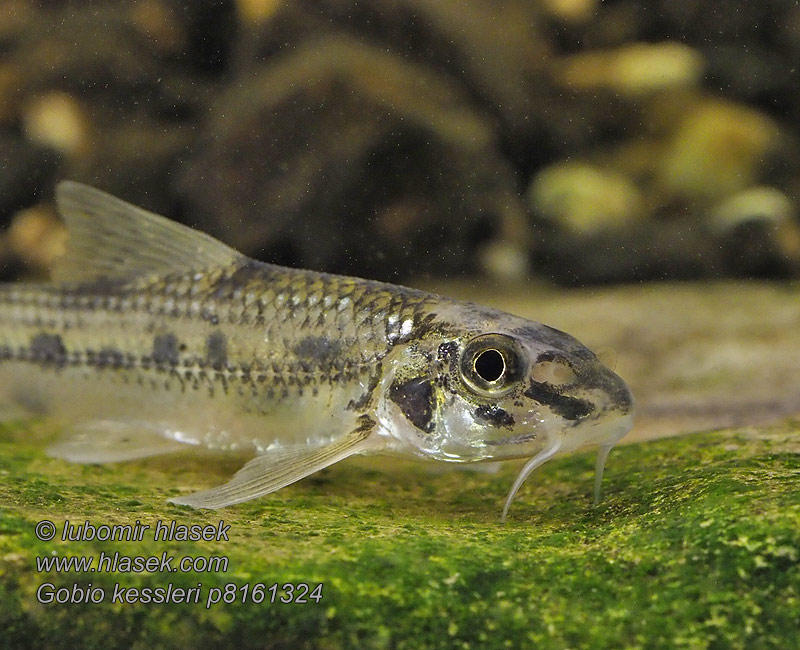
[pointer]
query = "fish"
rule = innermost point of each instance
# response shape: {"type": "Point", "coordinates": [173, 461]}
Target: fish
{"type": "Point", "coordinates": [152, 337]}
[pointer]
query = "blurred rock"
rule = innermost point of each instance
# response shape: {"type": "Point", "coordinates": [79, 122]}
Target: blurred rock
{"type": "Point", "coordinates": [37, 236]}
{"type": "Point", "coordinates": [56, 120]}
{"type": "Point", "coordinates": [583, 199]}
{"type": "Point", "coordinates": [10, 76]}
{"type": "Point", "coordinates": [719, 149]}
{"type": "Point", "coordinates": [635, 69]}
{"type": "Point", "coordinates": [253, 12]}
{"type": "Point", "coordinates": [16, 16]}
{"type": "Point", "coordinates": [648, 251]}
{"type": "Point", "coordinates": [756, 203]}
{"type": "Point", "coordinates": [497, 52]}
{"type": "Point", "coordinates": [571, 11]}
{"type": "Point", "coordinates": [341, 156]}
{"type": "Point", "coordinates": [394, 139]}
{"type": "Point", "coordinates": [505, 261]}
{"type": "Point", "coordinates": [160, 24]}
{"type": "Point", "coordinates": [758, 232]}
{"type": "Point", "coordinates": [27, 171]}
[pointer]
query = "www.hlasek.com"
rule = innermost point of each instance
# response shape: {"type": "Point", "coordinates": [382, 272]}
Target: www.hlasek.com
{"type": "Point", "coordinates": [116, 562]}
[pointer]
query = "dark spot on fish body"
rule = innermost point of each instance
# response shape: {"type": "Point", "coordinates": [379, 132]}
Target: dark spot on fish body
{"type": "Point", "coordinates": [415, 399]}
{"type": "Point", "coordinates": [165, 350]}
{"type": "Point", "coordinates": [495, 416]}
{"type": "Point", "coordinates": [448, 350]}
{"type": "Point", "coordinates": [109, 358]}
{"type": "Point", "coordinates": [428, 325]}
{"type": "Point", "coordinates": [569, 408]}
{"type": "Point", "coordinates": [48, 349]}
{"type": "Point", "coordinates": [217, 350]}
{"type": "Point", "coordinates": [319, 350]}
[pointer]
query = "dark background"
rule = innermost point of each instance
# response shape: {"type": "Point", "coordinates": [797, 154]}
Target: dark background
{"type": "Point", "coordinates": [577, 141]}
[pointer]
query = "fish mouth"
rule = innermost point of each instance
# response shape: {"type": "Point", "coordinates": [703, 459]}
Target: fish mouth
{"type": "Point", "coordinates": [605, 430]}
{"type": "Point", "coordinates": [606, 427]}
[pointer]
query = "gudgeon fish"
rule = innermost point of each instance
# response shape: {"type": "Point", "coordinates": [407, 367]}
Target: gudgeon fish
{"type": "Point", "coordinates": [153, 336]}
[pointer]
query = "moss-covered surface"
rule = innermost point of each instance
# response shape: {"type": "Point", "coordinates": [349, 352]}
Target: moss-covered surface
{"type": "Point", "coordinates": [695, 545]}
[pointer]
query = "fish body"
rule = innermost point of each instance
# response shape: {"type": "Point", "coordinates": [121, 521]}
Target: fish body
{"type": "Point", "coordinates": [153, 336]}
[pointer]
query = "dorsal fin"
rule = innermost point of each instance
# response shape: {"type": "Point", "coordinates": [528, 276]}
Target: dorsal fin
{"type": "Point", "coordinates": [110, 239]}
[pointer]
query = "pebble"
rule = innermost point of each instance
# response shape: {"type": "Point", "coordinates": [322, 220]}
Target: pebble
{"type": "Point", "coordinates": [253, 12]}
{"type": "Point", "coordinates": [758, 231]}
{"type": "Point", "coordinates": [716, 151]}
{"type": "Point", "coordinates": [584, 199]}
{"type": "Point", "coordinates": [504, 261]}
{"type": "Point", "coordinates": [760, 203]}
{"type": "Point", "coordinates": [57, 120]}
{"type": "Point", "coordinates": [635, 69]}
{"type": "Point", "coordinates": [37, 236]}
{"type": "Point", "coordinates": [571, 11]}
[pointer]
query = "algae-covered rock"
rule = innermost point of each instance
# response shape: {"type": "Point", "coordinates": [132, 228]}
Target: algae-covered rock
{"type": "Point", "coordinates": [695, 545]}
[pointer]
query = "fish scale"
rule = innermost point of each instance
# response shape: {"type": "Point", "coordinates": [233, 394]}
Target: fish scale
{"type": "Point", "coordinates": [153, 337]}
{"type": "Point", "coordinates": [260, 347]}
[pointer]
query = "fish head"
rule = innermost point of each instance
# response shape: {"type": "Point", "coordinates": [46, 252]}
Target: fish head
{"type": "Point", "coordinates": [487, 386]}
{"type": "Point", "coordinates": [483, 385]}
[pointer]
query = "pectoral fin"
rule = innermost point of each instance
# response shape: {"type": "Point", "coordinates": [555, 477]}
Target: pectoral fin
{"type": "Point", "coordinates": [274, 470]}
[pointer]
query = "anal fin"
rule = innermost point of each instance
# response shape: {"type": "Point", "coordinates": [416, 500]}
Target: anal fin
{"type": "Point", "coordinates": [111, 441]}
{"type": "Point", "coordinates": [274, 470]}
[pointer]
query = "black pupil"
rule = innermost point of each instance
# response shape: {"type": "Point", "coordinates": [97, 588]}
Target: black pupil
{"type": "Point", "coordinates": [490, 365]}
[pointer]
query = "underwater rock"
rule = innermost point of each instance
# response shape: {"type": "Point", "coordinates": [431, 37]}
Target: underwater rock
{"type": "Point", "coordinates": [26, 169]}
{"type": "Point", "coordinates": [720, 148]}
{"type": "Point", "coordinates": [498, 53]}
{"type": "Point", "coordinates": [111, 74]}
{"type": "Point", "coordinates": [758, 232]}
{"type": "Point", "coordinates": [504, 260]}
{"type": "Point", "coordinates": [413, 126]}
{"type": "Point", "coordinates": [649, 250]}
{"type": "Point", "coordinates": [343, 157]}
{"type": "Point", "coordinates": [57, 120]}
{"type": "Point", "coordinates": [584, 199]}
{"type": "Point", "coordinates": [253, 12]}
{"type": "Point", "coordinates": [571, 11]}
{"type": "Point", "coordinates": [635, 68]}
{"type": "Point", "coordinates": [494, 49]}
{"type": "Point", "coordinates": [37, 237]}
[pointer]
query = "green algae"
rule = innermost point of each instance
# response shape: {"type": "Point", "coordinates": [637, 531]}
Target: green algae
{"type": "Point", "coordinates": [695, 545]}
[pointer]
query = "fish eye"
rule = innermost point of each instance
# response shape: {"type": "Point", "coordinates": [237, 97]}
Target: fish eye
{"type": "Point", "coordinates": [491, 364]}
